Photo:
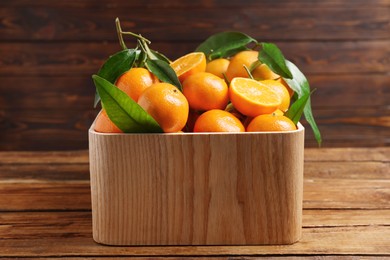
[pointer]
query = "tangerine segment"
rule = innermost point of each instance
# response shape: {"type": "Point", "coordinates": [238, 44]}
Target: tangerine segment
{"type": "Point", "coordinates": [217, 120]}
{"type": "Point", "coordinates": [135, 81]}
{"type": "Point", "coordinates": [281, 90]}
{"type": "Point", "coordinates": [189, 64]}
{"type": "Point", "coordinates": [103, 124]}
{"type": "Point", "coordinates": [205, 91]}
{"type": "Point", "coordinates": [252, 98]}
{"type": "Point", "coordinates": [167, 105]}
{"type": "Point", "coordinates": [270, 123]}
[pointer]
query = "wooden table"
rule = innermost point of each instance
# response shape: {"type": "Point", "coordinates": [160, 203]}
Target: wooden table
{"type": "Point", "coordinates": [45, 209]}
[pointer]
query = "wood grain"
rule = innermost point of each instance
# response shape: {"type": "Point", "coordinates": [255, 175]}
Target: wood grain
{"type": "Point", "coordinates": [189, 3]}
{"type": "Point", "coordinates": [220, 189]}
{"type": "Point", "coordinates": [347, 58]}
{"type": "Point", "coordinates": [369, 240]}
{"type": "Point", "coordinates": [92, 23]}
{"type": "Point", "coordinates": [36, 219]}
{"type": "Point", "coordinates": [50, 50]}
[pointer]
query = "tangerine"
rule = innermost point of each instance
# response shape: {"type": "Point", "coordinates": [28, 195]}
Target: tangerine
{"type": "Point", "coordinates": [189, 64]}
{"type": "Point", "coordinates": [263, 72]}
{"type": "Point", "coordinates": [252, 98]}
{"type": "Point", "coordinates": [167, 105]}
{"type": "Point", "coordinates": [103, 124]}
{"type": "Point", "coordinates": [205, 91]}
{"type": "Point", "coordinates": [237, 62]}
{"type": "Point", "coordinates": [290, 90]}
{"type": "Point", "coordinates": [218, 67]}
{"type": "Point", "coordinates": [217, 120]}
{"type": "Point", "coordinates": [281, 90]}
{"type": "Point", "coordinates": [135, 81]}
{"type": "Point", "coordinates": [270, 123]}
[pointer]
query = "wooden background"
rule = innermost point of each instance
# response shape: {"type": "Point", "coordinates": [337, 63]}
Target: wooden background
{"type": "Point", "coordinates": [49, 50]}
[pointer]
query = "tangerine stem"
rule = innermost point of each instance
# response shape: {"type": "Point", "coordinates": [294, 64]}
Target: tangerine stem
{"type": "Point", "coordinates": [119, 32]}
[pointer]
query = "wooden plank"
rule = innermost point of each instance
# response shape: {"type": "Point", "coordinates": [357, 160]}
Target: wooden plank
{"type": "Point", "coordinates": [61, 195]}
{"type": "Point", "coordinates": [25, 225]}
{"type": "Point", "coordinates": [368, 240]}
{"type": "Point", "coordinates": [52, 157]}
{"type": "Point", "coordinates": [362, 154]}
{"type": "Point", "coordinates": [194, 4]}
{"type": "Point", "coordinates": [44, 171]}
{"type": "Point", "coordinates": [345, 218]}
{"type": "Point", "coordinates": [346, 193]}
{"type": "Point", "coordinates": [75, 58]}
{"type": "Point", "coordinates": [348, 170]}
{"type": "Point", "coordinates": [77, 92]}
{"type": "Point", "coordinates": [91, 23]}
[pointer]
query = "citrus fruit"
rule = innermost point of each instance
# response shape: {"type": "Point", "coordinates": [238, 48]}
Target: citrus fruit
{"type": "Point", "coordinates": [290, 91]}
{"type": "Point", "coordinates": [189, 64]}
{"type": "Point", "coordinates": [218, 67]}
{"type": "Point", "coordinates": [205, 91]}
{"type": "Point", "coordinates": [237, 62]}
{"type": "Point", "coordinates": [252, 98]}
{"type": "Point", "coordinates": [281, 91]}
{"type": "Point", "coordinates": [270, 123]}
{"type": "Point", "coordinates": [167, 105]}
{"type": "Point", "coordinates": [135, 81]}
{"type": "Point", "coordinates": [104, 124]}
{"type": "Point", "coordinates": [263, 72]}
{"type": "Point", "coordinates": [217, 120]}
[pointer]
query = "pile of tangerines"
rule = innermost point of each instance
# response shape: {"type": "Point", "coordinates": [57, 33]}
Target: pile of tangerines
{"type": "Point", "coordinates": [216, 96]}
{"type": "Point", "coordinates": [210, 95]}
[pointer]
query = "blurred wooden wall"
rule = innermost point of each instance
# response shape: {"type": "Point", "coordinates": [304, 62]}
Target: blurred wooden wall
{"type": "Point", "coordinates": [49, 50]}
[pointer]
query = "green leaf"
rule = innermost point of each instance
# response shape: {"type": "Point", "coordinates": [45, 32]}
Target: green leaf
{"type": "Point", "coordinates": [271, 55]}
{"type": "Point", "coordinates": [296, 110]}
{"type": "Point", "coordinates": [224, 44]}
{"type": "Point", "coordinates": [115, 66]}
{"type": "Point", "coordinates": [124, 112]}
{"type": "Point", "coordinates": [301, 86]}
{"type": "Point", "coordinates": [164, 72]}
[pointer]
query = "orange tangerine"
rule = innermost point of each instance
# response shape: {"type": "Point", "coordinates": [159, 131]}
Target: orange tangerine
{"type": "Point", "coordinates": [135, 81]}
{"type": "Point", "coordinates": [281, 90]}
{"type": "Point", "coordinates": [189, 64]}
{"type": "Point", "coordinates": [290, 91]}
{"type": "Point", "coordinates": [104, 124]}
{"type": "Point", "coordinates": [253, 98]}
{"type": "Point", "coordinates": [167, 105]}
{"type": "Point", "coordinates": [263, 72]}
{"type": "Point", "coordinates": [270, 123]}
{"type": "Point", "coordinates": [218, 67]}
{"type": "Point", "coordinates": [237, 62]}
{"type": "Point", "coordinates": [217, 120]}
{"type": "Point", "coordinates": [205, 91]}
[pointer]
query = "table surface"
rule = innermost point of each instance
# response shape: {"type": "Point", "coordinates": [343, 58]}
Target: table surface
{"type": "Point", "coordinates": [45, 209]}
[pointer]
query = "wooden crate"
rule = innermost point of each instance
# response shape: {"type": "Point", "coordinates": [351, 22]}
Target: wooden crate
{"type": "Point", "coordinates": [197, 188]}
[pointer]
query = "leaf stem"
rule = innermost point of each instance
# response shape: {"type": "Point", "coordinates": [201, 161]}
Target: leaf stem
{"type": "Point", "coordinates": [248, 71]}
{"type": "Point", "coordinates": [145, 48]}
{"type": "Point", "coordinates": [138, 36]}
{"type": "Point", "coordinates": [119, 32]}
